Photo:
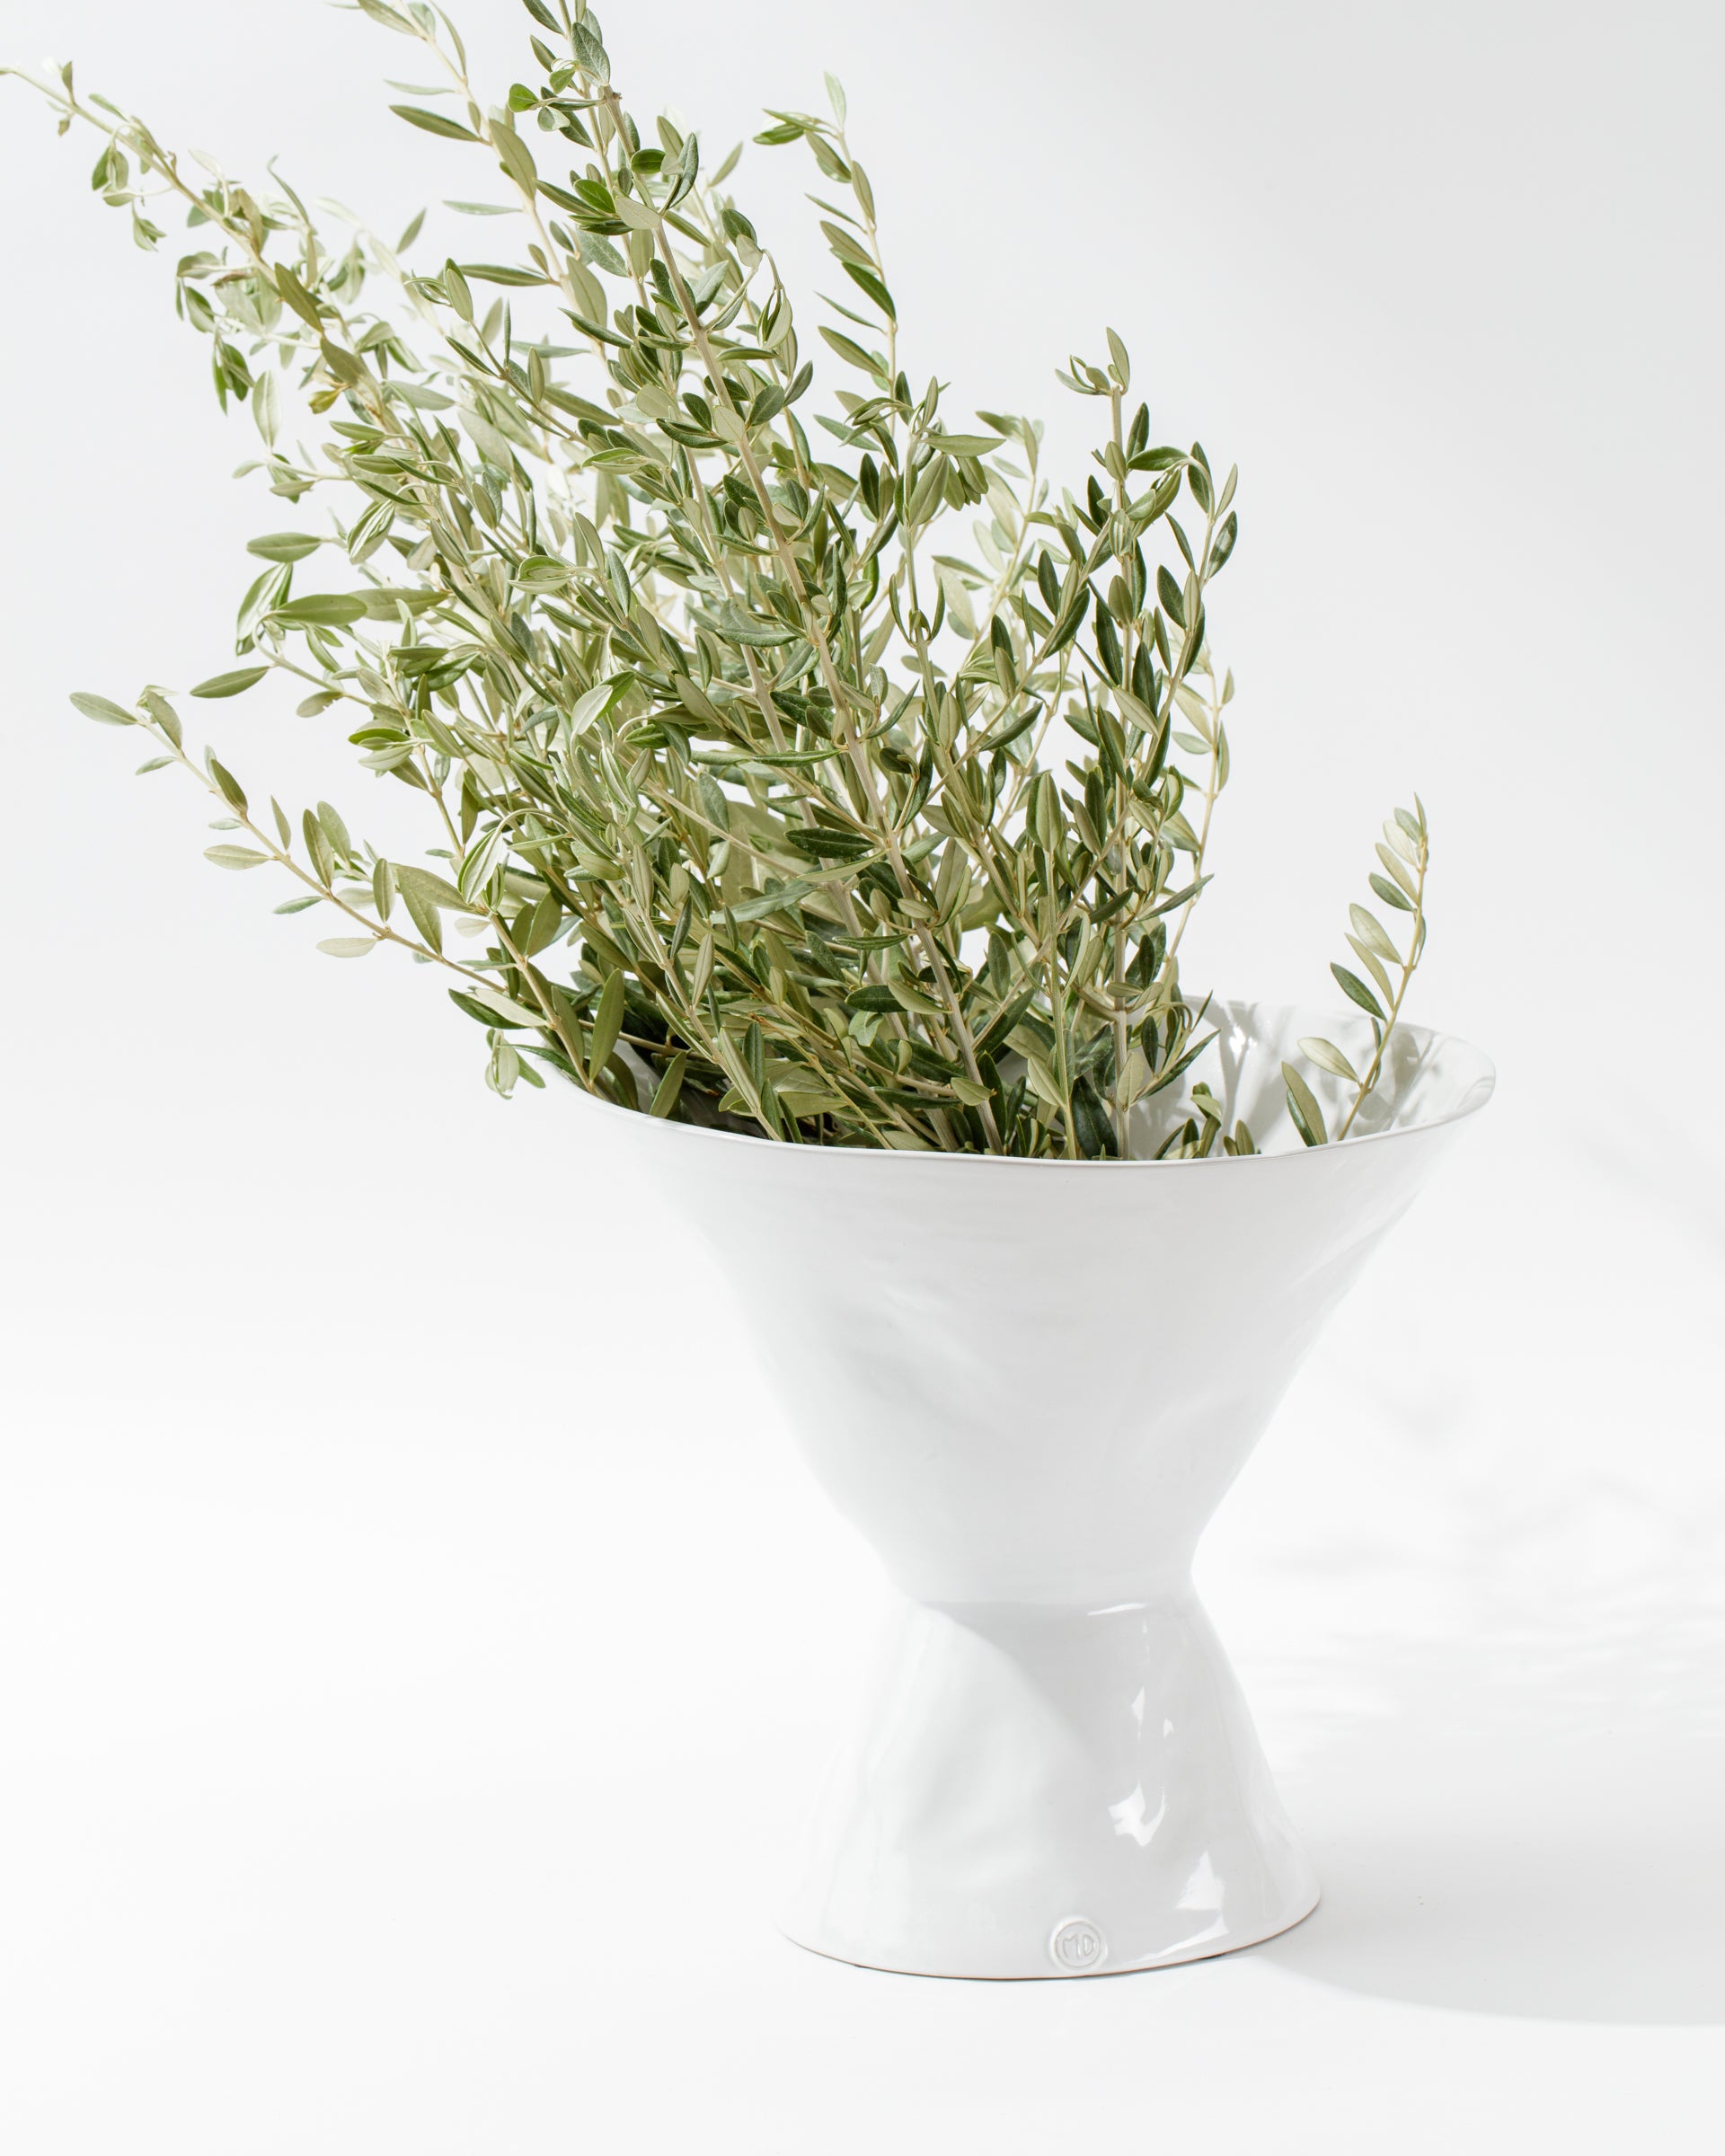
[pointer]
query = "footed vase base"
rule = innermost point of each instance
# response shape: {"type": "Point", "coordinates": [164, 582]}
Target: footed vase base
{"type": "Point", "coordinates": [1040, 1791]}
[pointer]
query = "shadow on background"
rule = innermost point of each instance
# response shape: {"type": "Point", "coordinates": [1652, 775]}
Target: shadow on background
{"type": "Point", "coordinates": [1566, 1929]}
{"type": "Point", "coordinates": [1515, 1832]}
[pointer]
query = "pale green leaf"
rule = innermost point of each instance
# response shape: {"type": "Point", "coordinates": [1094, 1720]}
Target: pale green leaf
{"type": "Point", "coordinates": [230, 684]}
{"type": "Point", "coordinates": [1329, 1057]}
{"type": "Point", "coordinates": [103, 710]}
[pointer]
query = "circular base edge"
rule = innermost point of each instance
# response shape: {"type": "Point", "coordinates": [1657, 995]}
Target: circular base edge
{"type": "Point", "coordinates": [1179, 1957]}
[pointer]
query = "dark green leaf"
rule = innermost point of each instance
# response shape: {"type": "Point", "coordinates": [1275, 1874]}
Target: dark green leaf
{"type": "Point", "coordinates": [1307, 1116]}
{"type": "Point", "coordinates": [1175, 1070]}
{"type": "Point", "coordinates": [871, 283]}
{"type": "Point", "coordinates": [1391, 893]}
{"type": "Point", "coordinates": [607, 1022]}
{"type": "Point", "coordinates": [1355, 988]}
{"type": "Point", "coordinates": [670, 1085]}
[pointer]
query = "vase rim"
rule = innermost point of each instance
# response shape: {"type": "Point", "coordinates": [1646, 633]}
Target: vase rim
{"type": "Point", "coordinates": [1477, 1093]}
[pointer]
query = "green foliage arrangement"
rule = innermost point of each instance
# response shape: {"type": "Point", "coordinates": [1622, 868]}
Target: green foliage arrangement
{"type": "Point", "coordinates": [750, 782]}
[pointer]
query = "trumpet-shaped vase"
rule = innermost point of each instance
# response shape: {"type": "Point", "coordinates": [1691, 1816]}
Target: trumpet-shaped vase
{"type": "Point", "coordinates": [1029, 1384]}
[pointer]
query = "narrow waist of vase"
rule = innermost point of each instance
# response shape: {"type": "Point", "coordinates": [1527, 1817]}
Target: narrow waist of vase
{"type": "Point", "coordinates": [1098, 1593]}
{"type": "Point", "coordinates": [988, 1612]}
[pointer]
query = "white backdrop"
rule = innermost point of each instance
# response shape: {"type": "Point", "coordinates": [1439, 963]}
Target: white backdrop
{"type": "Point", "coordinates": [415, 1636]}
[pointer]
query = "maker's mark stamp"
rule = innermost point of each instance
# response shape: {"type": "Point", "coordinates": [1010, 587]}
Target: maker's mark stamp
{"type": "Point", "coordinates": [1077, 1944]}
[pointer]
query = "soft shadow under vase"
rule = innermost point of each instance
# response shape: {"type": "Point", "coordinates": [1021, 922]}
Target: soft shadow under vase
{"type": "Point", "coordinates": [1028, 1384]}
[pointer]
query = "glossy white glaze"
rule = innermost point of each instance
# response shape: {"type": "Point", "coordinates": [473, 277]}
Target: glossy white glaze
{"type": "Point", "coordinates": [1029, 1384]}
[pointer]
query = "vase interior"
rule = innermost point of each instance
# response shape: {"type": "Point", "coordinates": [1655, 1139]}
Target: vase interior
{"type": "Point", "coordinates": [1427, 1078]}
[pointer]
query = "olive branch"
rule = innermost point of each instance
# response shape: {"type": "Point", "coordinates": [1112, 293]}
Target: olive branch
{"type": "Point", "coordinates": [749, 774]}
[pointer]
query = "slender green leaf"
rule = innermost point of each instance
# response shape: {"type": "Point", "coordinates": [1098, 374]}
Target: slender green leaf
{"type": "Point", "coordinates": [102, 710]}
{"type": "Point", "coordinates": [1356, 989]}
{"type": "Point", "coordinates": [434, 123]}
{"type": "Point", "coordinates": [232, 684]}
{"type": "Point", "coordinates": [607, 1022]}
{"type": "Point", "coordinates": [1329, 1057]}
{"type": "Point", "coordinates": [1307, 1116]}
